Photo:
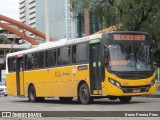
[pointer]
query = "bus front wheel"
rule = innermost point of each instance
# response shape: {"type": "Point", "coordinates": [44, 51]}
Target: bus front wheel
{"type": "Point", "coordinates": [113, 98]}
{"type": "Point", "coordinates": [125, 99]}
{"type": "Point", "coordinates": [84, 94]}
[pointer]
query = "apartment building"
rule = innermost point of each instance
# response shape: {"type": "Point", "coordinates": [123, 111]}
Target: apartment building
{"type": "Point", "coordinates": [61, 22]}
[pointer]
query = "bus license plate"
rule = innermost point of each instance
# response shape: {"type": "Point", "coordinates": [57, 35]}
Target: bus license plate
{"type": "Point", "coordinates": [136, 90]}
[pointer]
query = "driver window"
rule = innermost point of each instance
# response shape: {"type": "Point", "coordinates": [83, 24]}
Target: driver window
{"type": "Point", "coordinates": [106, 55]}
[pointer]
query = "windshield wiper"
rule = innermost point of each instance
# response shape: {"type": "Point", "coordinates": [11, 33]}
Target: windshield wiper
{"type": "Point", "coordinates": [140, 49]}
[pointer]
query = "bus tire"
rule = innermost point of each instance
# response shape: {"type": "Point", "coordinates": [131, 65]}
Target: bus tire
{"type": "Point", "coordinates": [125, 99]}
{"type": "Point", "coordinates": [84, 94]}
{"type": "Point", "coordinates": [40, 99]}
{"type": "Point", "coordinates": [66, 99]}
{"type": "Point", "coordinates": [6, 95]}
{"type": "Point", "coordinates": [32, 94]}
{"type": "Point", "coordinates": [113, 98]}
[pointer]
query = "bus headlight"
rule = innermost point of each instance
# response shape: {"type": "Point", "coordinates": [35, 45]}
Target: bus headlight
{"type": "Point", "coordinates": [152, 83]}
{"type": "Point", "coordinates": [115, 83]}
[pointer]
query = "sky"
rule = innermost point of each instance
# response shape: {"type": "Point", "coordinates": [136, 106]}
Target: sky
{"type": "Point", "coordinates": [10, 8]}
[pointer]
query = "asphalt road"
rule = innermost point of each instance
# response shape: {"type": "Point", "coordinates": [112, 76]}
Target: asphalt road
{"type": "Point", "coordinates": [53, 104]}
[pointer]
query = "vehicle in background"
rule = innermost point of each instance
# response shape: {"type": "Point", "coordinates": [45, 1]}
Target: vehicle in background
{"type": "Point", "coordinates": [3, 89]}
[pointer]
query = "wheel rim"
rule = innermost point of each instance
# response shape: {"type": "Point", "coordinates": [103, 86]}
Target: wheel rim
{"type": "Point", "coordinates": [32, 93]}
{"type": "Point", "coordinates": [84, 93]}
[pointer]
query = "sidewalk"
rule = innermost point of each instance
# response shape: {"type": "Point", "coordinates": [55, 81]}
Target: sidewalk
{"type": "Point", "coordinates": [156, 95]}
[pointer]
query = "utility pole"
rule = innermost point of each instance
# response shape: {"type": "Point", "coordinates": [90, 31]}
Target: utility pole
{"type": "Point", "coordinates": [86, 22]}
{"type": "Point", "coordinates": [47, 21]}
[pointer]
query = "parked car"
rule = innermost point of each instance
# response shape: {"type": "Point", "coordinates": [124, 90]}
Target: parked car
{"type": "Point", "coordinates": [3, 89]}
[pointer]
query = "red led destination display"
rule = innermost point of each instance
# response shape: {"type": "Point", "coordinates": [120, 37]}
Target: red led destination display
{"type": "Point", "coordinates": [128, 37]}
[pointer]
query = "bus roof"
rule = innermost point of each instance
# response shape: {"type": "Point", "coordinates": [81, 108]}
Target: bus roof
{"type": "Point", "coordinates": [55, 44]}
{"type": "Point", "coordinates": [64, 42]}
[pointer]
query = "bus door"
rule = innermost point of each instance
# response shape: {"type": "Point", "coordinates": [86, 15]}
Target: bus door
{"type": "Point", "coordinates": [20, 75]}
{"type": "Point", "coordinates": [95, 67]}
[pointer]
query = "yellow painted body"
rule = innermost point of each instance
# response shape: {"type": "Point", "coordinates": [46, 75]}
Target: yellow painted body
{"type": "Point", "coordinates": [109, 89]}
{"type": "Point", "coordinates": [63, 81]}
{"type": "Point", "coordinates": [52, 82]}
{"type": "Point", "coordinates": [11, 84]}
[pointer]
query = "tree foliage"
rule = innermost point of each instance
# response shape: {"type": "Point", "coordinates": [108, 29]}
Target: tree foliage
{"type": "Point", "coordinates": [2, 37]}
{"type": "Point", "coordinates": [135, 15]}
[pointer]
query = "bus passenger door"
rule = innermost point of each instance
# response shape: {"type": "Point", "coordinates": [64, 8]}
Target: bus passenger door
{"type": "Point", "coordinates": [20, 75]}
{"type": "Point", "coordinates": [95, 67]}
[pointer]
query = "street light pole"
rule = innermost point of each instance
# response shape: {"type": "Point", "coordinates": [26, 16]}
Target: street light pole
{"type": "Point", "coordinates": [47, 21]}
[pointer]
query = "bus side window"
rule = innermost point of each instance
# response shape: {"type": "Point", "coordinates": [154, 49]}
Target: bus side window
{"type": "Point", "coordinates": [50, 58]}
{"type": "Point", "coordinates": [47, 58]}
{"type": "Point", "coordinates": [74, 54]}
{"type": "Point", "coordinates": [34, 60]}
{"type": "Point", "coordinates": [40, 59]}
{"type": "Point", "coordinates": [55, 57]}
{"type": "Point", "coordinates": [65, 55]}
{"type": "Point", "coordinates": [11, 64]}
{"type": "Point", "coordinates": [82, 50]}
{"type": "Point", "coordinates": [58, 55]}
{"type": "Point", "coordinates": [29, 61]}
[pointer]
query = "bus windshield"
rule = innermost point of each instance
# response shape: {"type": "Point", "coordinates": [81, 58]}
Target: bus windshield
{"type": "Point", "coordinates": [128, 57]}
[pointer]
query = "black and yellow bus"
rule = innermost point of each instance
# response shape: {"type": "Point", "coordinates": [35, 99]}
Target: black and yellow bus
{"type": "Point", "coordinates": [115, 65]}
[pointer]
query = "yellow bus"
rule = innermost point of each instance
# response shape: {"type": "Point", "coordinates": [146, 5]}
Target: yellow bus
{"type": "Point", "coordinates": [115, 65]}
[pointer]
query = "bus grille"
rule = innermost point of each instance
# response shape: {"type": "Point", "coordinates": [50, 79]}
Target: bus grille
{"type": "Point", "coordinates": [138, 89]}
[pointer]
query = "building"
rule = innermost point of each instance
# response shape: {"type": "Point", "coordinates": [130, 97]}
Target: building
{"type": "Point", "coordinates": [27, 11]}
{"type": "Point", "coordinates": [61, 22]}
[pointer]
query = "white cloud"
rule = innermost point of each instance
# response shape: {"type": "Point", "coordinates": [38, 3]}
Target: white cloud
{"type": "Point", "coordinates": [10, 8]}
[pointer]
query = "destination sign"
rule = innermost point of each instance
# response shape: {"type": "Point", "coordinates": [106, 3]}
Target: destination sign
{"type": "Point", "coordinates": [128, 37]}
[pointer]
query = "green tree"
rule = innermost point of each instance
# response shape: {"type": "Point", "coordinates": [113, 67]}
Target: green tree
{"type": "Point", "coordinates": [137, 15]}
{"type": "Point", "coordinates": [2, 37]}
{"type": "Point", "coordinates": [101, 10]}
{"type": "Point", "coordinates": [143, 15]}
{"type": "Point", "coordinates": [134, 15]}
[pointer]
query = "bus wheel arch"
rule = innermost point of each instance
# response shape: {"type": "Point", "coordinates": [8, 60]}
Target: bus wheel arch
{"type": "Point", "coordinates": [84, 88]}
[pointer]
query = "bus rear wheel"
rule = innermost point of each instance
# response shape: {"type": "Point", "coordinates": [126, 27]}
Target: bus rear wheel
{"type": "Point", "coordinates": [32, 95]}
{"type": "Point", "coordinates": [125, 99]}
{"type": "Point", "coordinates": [84, 94]}
{"type": "Point", "coordinates": [66, 99]}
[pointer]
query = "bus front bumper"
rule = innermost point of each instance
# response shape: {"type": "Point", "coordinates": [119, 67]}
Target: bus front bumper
{"type": "Point", "coordinates": [112, 90]}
